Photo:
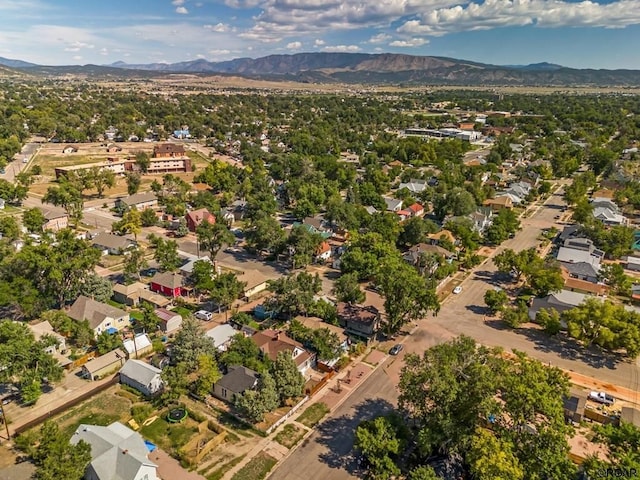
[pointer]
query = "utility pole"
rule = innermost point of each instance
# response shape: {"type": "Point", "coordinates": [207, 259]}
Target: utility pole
{"type": "Point", "coordinates": [6, 424]}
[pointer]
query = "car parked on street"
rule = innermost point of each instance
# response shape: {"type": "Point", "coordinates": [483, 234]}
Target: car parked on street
{"type": "Point", "coordinates": [457, 290]}
{"type": "Point", "coordinates": [396, 349]}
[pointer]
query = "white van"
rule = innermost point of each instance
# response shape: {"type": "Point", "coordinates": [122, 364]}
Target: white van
{"type": "Point", "coordinates": [203, 315]}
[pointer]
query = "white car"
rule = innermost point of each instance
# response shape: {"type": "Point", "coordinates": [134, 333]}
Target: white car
{"type": "Point", "coordinates": [457, 290]}
{"type": "Point", "coordinates": [203, 315]}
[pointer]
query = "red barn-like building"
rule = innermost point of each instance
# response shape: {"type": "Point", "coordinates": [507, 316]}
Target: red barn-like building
{"type": "Point", "coordinates": [169, 284]}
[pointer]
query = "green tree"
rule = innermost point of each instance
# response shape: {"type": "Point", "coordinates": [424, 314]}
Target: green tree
{"type": "Point", "coordinates": [379, 442]}
{"type": "Point", "coordinates": [102, 178]}
{"type": "Point", "coordinates": [212, 237]}
{"type": "Point", "coordinates": [67, 196]}
{"type": "Point", "coordinates": [289, 381]}
{"type": "Point", "coordinates": [347, 289]}
{"type": "Point", "coordinates": [546, 280]}
{"type": "Point", "coordinates": [495, 300]}
{"type": "Point", "coordinates": [303, 244]}
{"type": "Point", "coordinates": [264, 233]}
{"type": "Point", "coordinates": [491, 458]}
{"type": "Point", "coordinates": [613, 274]}
{"type": "Point", "coordinates": [133, 263]}
{"type": "Point", "coordinates": [424, 472]}
{"type": "Point", "coordinates": [405, 301]}
{"type": "Point", "coordinates": [96, 287]}
{"type": "Point", "coordinates": [244, 351]}
{"type": "Point", "coordinates": [56, 458]}
{"type": "Point", "coordinates": [133, 182]}
{"type": "Point", "coordinates": [225, 289]}
{"type": "Point", "coordinates": [166, 254]}
{"type": "Point", "coordinates": [143, 161]}
{"type": "Point", "coordinates": [148, 218]}
{"type": "Point", "coordinates": [150, 320]}
{"type": "Point", "coordinates": [131, 222]}
{"type": "Point", "coordinates": [9, 228]}
{"type": "Point", "coordinates": [106, 342]}
{"type": "Point", "coordinates": [208, 374]}
{"type": "Point", "coordinates": [190, 343]}
{"type": "Point", "coordinates": [33, 220]}
{"type": "Point", "coordinates": [550, 320]}
{"type": "Point", "coordinates": [293, 294]}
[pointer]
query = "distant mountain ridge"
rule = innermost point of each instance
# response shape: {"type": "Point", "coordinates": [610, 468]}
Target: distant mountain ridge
{"type": "Point", "coordinates": [8, 62]}
{"type": "Point", "coordinates": [364, 68]}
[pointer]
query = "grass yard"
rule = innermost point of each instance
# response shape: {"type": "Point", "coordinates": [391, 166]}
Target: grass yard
{"type": "Point", "coordinates": [218, 473]}
{"type": "Point", "coordinates": [313, 414]}
{"type": "Point", "coordinates": [169, 436]}
{"type": "Point", "coordinates": [290, 435]}
{"type": "Point", "coordinates": [257, 469]}
{"type": "Point", "coordinates": [104, 409]}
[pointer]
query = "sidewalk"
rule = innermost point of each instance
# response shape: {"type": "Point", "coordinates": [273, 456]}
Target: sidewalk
{"type": "Point", "coordinates": [333, 394]}
{"type": "Point", "coordinates": [590, 383]}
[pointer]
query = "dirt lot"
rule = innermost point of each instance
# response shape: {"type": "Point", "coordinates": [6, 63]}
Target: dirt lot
{"type": "Point", "coordinates": [51, 157]}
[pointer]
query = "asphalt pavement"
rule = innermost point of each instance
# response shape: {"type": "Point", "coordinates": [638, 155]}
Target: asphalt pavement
{"type": "Point", "coordinates": [328, 452]}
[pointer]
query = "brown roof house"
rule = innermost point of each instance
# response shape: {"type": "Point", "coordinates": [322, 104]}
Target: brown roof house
{"type": "Point", "coordinates": [272, 342]}
{"type": "Point", "coordinates": [196, 217]}
{"type": "Point", "coordinates": [498, 203]}
{"type": "Point", "coordinates": [136, 293]}
{"type": "Point", "coordinates": [55, 220]}
{"type": "Point", "coordinates": [358, 320]}
{"type": "Point", "coordinates": [140, 201]}
{"type": "Point", "coordinates": [101, 316]}
{"type": "Point", "coordinates": [238, 380]}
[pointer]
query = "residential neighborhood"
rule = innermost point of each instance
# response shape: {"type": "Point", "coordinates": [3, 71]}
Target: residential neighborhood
{"type": "Point", "coordinates": [210, 303]}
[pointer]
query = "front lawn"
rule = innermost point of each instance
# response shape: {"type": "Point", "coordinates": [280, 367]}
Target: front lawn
{"type": "Point", "coordinates": [313, 414]}
{"type": "Point", "coordinates": [257, 469]}
{"type": "Point", "coordinates": [290, 435]}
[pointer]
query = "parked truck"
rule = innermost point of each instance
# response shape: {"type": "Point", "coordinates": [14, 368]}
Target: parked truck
{"type": "Point", "coordinates": [602, 397]}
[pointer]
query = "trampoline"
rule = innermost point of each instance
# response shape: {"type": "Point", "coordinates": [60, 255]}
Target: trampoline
{"type": "Point", "coordinates": [177, 415]}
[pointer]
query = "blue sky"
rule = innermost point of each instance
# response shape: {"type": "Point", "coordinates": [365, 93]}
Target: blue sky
{"type": "Point", "coordinates": [582, 34]}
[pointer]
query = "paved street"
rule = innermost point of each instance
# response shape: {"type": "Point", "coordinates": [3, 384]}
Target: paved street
{"type": "Point", "coordinates": [327, 452]}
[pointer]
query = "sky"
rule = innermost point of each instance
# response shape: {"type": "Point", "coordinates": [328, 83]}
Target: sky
{"type": "Point", "coordinates": [579, 34]}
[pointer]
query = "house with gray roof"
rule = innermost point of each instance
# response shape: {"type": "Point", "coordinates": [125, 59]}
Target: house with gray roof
{"type": "Point", "coordinates": [110, 244]}
{"type": "Point", "coordinates": [142, 376]}
{"type": "Point", "coordinates": [558, 301]}
{"type": "Point", "coordinates": [581, 270]}
{"type": "Point", "coordinates": [580, 250]}
{"type": "Point", "coordinates": [117, 453]}
{"type": "Point", "coordinates": [238, 380]}
{"type": "Point", "coordinates": [414, 185]}
{"type": "Point", "coordinates": [101, 316]}
{"type": "Point", "coordinates": [222, 335]}
{"type": "Point", "coordinates": [393, 204]}
{"type": "Point", "coordinates": [605, 210]}
{"type": "Point", "coordinates": [140, 201]}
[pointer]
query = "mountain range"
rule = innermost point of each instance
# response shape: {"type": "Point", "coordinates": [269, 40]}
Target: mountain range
{"type": "Point", "coordinates": [363, 68]}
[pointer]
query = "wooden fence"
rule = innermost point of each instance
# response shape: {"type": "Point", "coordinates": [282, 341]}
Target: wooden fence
{"type": "Point", "coordinates": [61, 408]}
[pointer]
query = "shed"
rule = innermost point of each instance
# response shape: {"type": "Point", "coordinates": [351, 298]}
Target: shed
{"type": "Point", "coordinates": [108, 363]}
{"type": "Point", "coordinates": [574, 406]}
{"type": "Point", "coordinates": [142, 376]}
{"type": "Point", "coordinates": [222, 335]}
{"type": "Point", "coordinates": [169, 321]}
{"type": "Point", "coordinates": [138, 346]}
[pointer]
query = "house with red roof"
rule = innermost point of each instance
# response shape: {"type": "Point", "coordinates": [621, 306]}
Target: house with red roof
{"type": "Point", "coordinates": [416, 210]}
{"type": "Point", "coordinates": [323, 252]}
{"type": "Point", "coordinates": [272, 342]}
{"type": "Point", "coordinates": [196, 217]}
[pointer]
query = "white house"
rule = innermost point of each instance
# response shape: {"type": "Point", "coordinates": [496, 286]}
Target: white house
{"type": "Point", "coordinates": [117, 452]}
{"type": "Point", "coordinates": [393, 204]}
{"type": "Point", "coordinates": [142, 376]}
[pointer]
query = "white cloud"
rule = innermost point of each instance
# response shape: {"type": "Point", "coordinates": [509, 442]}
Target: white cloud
{"type": "Point", "coordinates": [379, 38]}
{"type": "Point", "coordinates": [541, 13]}
{"type": "Point", "coordinates": [182, 10]}
{"type": "Point", "coordinates": [342, 48]}
{"type": "Point", "coordinates": [218, 27]}
{"type": "Point", "coordinates": [319, 42]}
{"type": "Point", "coordinates": [217, 53]}
{"type": "Point", "coordinates": [294, 45]}
{"type": "Point", "coordinates": [104, 51]}
{"type": "Point", "coordinates": [177, 3]}
{"type": "Point", "coordinates": [413, 42]}
{"type": "Point", "coordinates": [77, 57]}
